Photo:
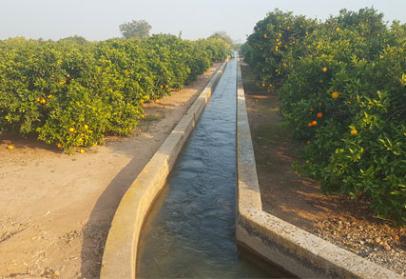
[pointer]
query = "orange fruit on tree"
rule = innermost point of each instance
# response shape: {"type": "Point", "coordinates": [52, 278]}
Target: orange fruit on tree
{"type": "Point", "coordinates": [319, 115]}
{"type": "Point", "coordinates": [335, 95]}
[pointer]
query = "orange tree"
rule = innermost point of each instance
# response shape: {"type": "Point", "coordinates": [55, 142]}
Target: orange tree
{"type": "Point", "coordinates": [274, 45]}
{"type": "Point", "coordinates": [342, 94]}
{"type": "Point", "coordinates": [72, 93]}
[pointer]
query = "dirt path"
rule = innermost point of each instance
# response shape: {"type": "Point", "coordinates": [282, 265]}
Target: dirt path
{"type": "Point", "coordinates": [56, 209]}
{"type": "Point", "coordinates": [299, 200]}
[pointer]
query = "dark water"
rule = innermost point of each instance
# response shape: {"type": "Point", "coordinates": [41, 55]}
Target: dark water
{"type": "Point", "coordinates": [190, 231]}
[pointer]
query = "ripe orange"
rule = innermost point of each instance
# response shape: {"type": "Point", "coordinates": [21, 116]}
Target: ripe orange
{"type": "Point", "coordinates": [314, 123]}
{"type": "Point", "coordinates": [10, 146]}
{"type": "Point", "coordinates": [335, 95]}
{"type": "Point", "coordinates": [319, 115]}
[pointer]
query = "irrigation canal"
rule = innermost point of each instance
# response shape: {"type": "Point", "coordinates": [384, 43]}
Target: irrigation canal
{"type": "Point", "coordinates": [190, 230]}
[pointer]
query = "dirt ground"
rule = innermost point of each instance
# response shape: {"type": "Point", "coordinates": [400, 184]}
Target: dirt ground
{"type": "Point", "coordinates": [298, 199]}
{"type": "Point", "coordinates": [56, 209]}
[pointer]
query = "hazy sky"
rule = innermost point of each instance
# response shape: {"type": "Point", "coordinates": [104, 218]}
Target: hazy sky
{"type": "Point", "coordinates": [99, 19]}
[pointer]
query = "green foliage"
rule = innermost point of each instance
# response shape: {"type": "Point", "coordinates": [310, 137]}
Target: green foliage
{"type": "Point", "coordinates": [274, 44]}
{"type": "Point", "coordinates": [135, 29]}
{"type": "Point", "coordinates": [72, 93]}
{"type": "Point", "coordinates": [342, 85]}
{"type": "Point", "coordinates": [223, 36]}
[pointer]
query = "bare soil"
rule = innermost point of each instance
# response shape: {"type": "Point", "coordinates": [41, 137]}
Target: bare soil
{"type": "Point", "coordinates": [299, 200]}
{"type": "Point", "coordinates": [56, 209]}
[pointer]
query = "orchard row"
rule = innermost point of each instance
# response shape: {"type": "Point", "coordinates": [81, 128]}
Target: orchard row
{"type": "Point", "coordinates": [71, 93]}
{"type": "Point", "coordinates": [342, 86]}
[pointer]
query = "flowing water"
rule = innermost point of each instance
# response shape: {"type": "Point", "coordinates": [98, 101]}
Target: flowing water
{"type": "Point", "coordinates": [190, 230]}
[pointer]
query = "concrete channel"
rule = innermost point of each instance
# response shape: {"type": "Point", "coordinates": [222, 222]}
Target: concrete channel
{"type": "Point", "coordinates": [190, 232]}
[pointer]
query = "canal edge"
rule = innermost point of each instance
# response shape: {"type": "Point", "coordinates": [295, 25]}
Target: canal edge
{"type": "Point", "coordinates": [120, 251]}
{"type": "Point", "coordinates": [297, 251]}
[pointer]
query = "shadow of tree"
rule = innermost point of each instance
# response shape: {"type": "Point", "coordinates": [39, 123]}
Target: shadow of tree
{"type": "Point", "coordinates": [96, 230]}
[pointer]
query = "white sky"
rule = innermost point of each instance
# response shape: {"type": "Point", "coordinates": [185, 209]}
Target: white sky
{"type": "Point", "coordinates": [99, 19]}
